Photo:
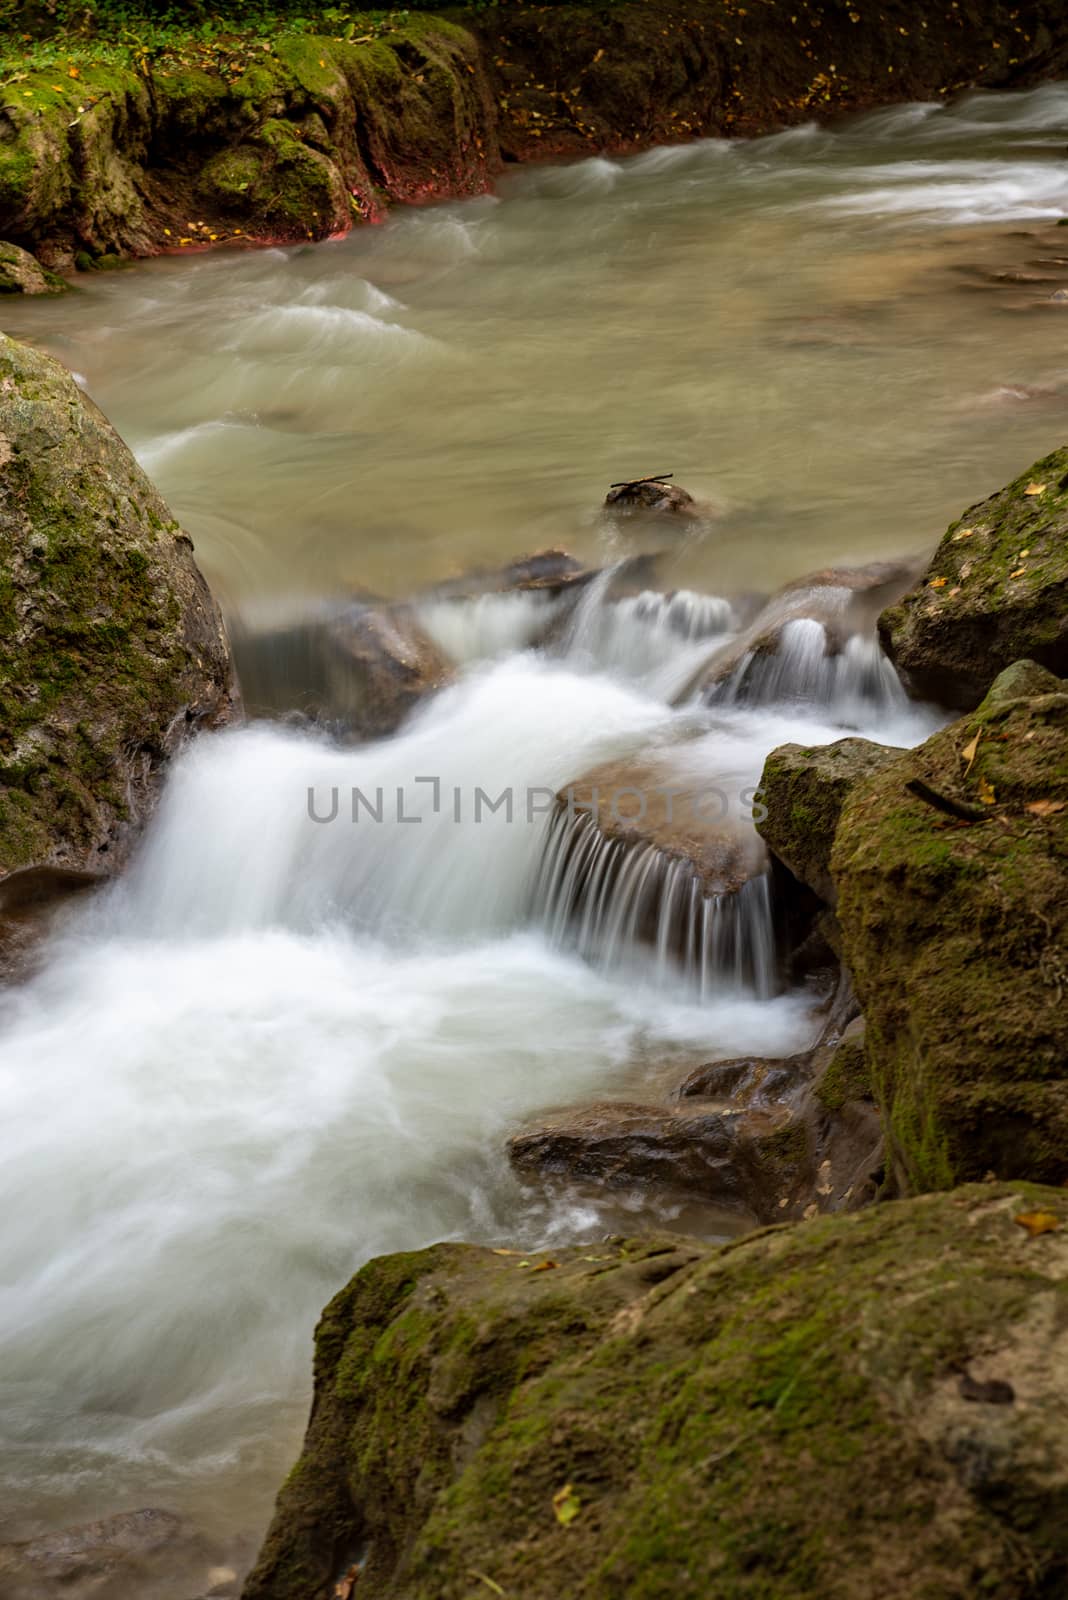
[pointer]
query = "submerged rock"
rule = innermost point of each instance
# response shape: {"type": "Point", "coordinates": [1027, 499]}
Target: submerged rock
{"type": "Point", "coordinates": [951, 865]}
{"type": "Point", "coordinates": [133, 1553]}
{"type": "Point", "coordinates": [21, 273]}
{"type": "Point", "coordinates": [856, 1406]}
{"type": "Point", "coordinates": [112, 651]}
{"type": "Point", "coordinates": [996, 591]}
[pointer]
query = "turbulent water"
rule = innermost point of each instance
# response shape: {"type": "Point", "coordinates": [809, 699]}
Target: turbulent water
{"type": "Point", "coordinates": [282, 1044]}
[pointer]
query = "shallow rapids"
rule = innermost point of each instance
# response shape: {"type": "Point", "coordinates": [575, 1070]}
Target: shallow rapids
{"type": "Point", "coordinates": [289, 1039]}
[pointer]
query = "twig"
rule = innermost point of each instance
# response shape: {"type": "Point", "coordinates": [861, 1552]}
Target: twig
{"type": "Point", "coordinates": [963, 809]}
{"type": "Point", "coordinates": [632, 483]}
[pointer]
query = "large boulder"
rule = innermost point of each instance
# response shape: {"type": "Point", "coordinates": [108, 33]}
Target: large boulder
{"type": "Point", "coordinates": [951, 865]}
{"type": "Point", "coordinates": [802, 792]}
{"type": "Point", "coordinates": [112, 650]}
{"type": "Point", "coordinates": [996, 591]}
{"type": "Point", "coordinates": [871, 1407]}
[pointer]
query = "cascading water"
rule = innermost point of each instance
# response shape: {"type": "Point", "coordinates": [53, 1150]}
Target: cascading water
{"type": "Point", "coordinates": [281, 1045]}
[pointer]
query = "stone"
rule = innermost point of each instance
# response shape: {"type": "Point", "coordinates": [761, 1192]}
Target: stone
{"type": "Point", "coordinates": [802, 791]}
{"type": "Point", "coordinates": [996, 591]}
{"type": "Point", "coordinates": [657, 498]}
{"type": "Point", "coordinates": [133, 1553]}
{"type": "Point", "coordinates": [21, 273]}
{"type": "Point", "coordinates": [655, 800]}
{"type": "Point", "coordinates": [951, 866]}
{"type": "Point", "coordinates": [112, 651]}
{"type": "Point", "coordinates": [779, 1416]}
{"type": "Point", "coordinates": [359, 671]}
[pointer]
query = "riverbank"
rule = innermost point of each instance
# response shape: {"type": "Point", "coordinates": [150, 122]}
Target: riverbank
{"type": "Point", "coordinates": [110, 151]}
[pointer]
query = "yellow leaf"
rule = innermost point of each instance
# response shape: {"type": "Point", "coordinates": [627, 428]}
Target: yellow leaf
{"type": "Point", "coordinates": [73, 73]}
{"type": "Point", "coordinates": [1017, 572]}
{"type": "Point", "coordinates": [967, 755]}
{"type": "Point", "coordinates": [938, 583]}
{"type": "Point", "coordinates": [964, 533]}
{"type": "Point", "coordinates": [506, 1252]}
{"type": "Point", "coordinates": [1037, 1222]}
{"type": "Point", "coordinates": [1023, 555]}
{"type": "Point", "coordinates": [545, 1266]}
{"type": "Point", "coordinates": [986, 793]}
{"type": "Point", "coordinates": [167, 231]}
{"type": "Point", "coordinates": [566, 1504]}
{"type": "Point", "coordinates": [1035, 488]}
{"type": "Point", "coordinates": [1046, 808]}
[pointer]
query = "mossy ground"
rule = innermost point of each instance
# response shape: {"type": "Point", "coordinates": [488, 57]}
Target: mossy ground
{"type": "Point", "coordinates": [779, 1418]}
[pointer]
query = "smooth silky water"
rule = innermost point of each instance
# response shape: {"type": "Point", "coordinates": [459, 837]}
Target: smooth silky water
{"type": "Point", "coordinates": [278, 1047]}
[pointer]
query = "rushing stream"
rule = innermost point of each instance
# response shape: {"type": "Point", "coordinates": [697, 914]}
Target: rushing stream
{"type": "Point", "coordinates": [279, 1046]}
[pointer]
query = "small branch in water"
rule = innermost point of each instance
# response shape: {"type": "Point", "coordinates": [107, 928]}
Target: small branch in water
{"type": "Point", "coordinates": [963, 809]}
{"type": "Point", "coordinates": [632, 483]}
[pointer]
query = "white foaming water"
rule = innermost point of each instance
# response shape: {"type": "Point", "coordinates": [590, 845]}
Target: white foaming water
{"type": "Point", "coordinates": [855, 683]}
{"type": "Point", "coordinates": [654, 639]}
{"type": "Point", "coordinates": [481, 627]}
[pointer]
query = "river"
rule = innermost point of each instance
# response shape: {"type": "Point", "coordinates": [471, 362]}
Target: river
{"type": "Point", "coordinates": [277, 1047]}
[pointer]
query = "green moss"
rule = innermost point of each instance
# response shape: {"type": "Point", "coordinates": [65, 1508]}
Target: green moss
{"type": "Point", "coordinates": [955, 932]}
{"type": "Point", "coordinates": [846, 1077]}
{"type": "Point", "coordinates": [692, 1397]}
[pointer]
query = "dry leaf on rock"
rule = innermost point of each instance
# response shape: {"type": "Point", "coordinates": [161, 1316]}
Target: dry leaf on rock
{"type": "Point", "coordinates": [1037, 1222]}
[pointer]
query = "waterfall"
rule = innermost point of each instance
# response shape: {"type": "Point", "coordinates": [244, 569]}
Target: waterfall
{"type": "Point", "coordinates": [612, 899]}
{"type": "Point", "coordinates": [852, 684]}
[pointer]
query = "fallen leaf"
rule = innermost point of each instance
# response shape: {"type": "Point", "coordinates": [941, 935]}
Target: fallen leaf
{"type": "Point", "coordinates": [1046, 808]}
{"type": "Point", "coordinates": [1037, 1222]}
{"type": "Point", "coordinates": [1023, 555]}
{"type": "Point", "coordinates": [1018, 572]}
{"type": "Point", "coordinates": [963, 533]}
{"type": "Point", "coordinates": [986, 793]}
{"type": "Point", "coordinates": [566, 1504]}
{"type": "Point", "coordinates": [506, 1252]}
{"type": "Point", "coordinates": [1035, 488]}
{"type": "Point", "coordinates": [73, 72]}
{"type": "Point", "coordinates": [967, 755]}
{"type": "Point", "coordinates": [545, 1266]}
{"type": "Point", "coordinates": [938, 583]}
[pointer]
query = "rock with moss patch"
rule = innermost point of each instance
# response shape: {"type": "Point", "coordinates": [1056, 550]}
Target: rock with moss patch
{"type": "Point", "coordinates": [649, 1417]}
{"type": "Point", "coordinates": [111, 648]}
{"type": "Point", "coordinates": [21, 273]}
{"type": "Point", "coordinates": [802, 791]}
{"type": "Point", "coordinates": [951, 864]}
{"type": "Point", "coordinates": [996, 590]}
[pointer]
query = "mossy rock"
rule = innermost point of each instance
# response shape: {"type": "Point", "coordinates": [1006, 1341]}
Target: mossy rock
{"type": "Point", "coordinates": [111, 648]}
{"type": "Point", "coordinates": [802, 790]}
{"type": "Point", "coordinates": [996, 591]}
{"type": "Point", "coordinates": [21, 273]}
{"type": "Point", "coordinates": [955, 928]}
{"type": "Point", "coordinates": [871, 1407]}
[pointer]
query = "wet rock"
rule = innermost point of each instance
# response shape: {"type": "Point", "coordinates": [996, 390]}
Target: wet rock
{"type": "Point", "coordinates": [30, 901]}
{"type": "Point", "coordinates": [996, 591]}
{"type": "Point", "coordinates": [379, 665]}
{"type": "Point", "coordinates": [112, 651]}
{"type": "Point", "coordinates": [21, 273]}
{"type": "Point", "coordinates": [802, 791]}
{"type": "Point", "coordinates": [951, 864]}
{"type": "Point", "coordinates": [683, 1401]}
{"type": "Point", "coordinates": [550, 570]}
{"type": "Point", "coordinates": [657, 498]}
{"type": "Point", "coordinates": [359, 672]}
{"type": "Point", "coordinates": [688, 818]}
{"type": "Point", "coordinates": [134, 1554]}
{"type": "Point", "coordinates": [776, 1138]}
{"type": "Point", "coordinates": [841, 602]}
